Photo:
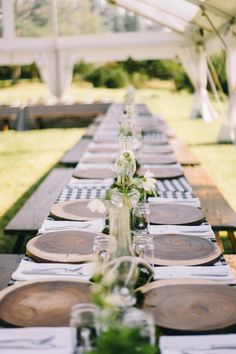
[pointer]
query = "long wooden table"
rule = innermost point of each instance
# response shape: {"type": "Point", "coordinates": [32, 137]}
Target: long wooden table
{"type": "Point", "coordinates": [9, 263]}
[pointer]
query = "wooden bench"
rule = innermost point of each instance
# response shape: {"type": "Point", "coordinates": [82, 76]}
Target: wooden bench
{"type": "Point", "coordinates": [73, 156]}
{"type": "Point", "coordinates": [8, 264]}
{"type": "Point", "coordinates": [217, 210]}
{"type": "Point", "coordinates": [183, 154]}
{"type": "Point", "coordinates": [8, 117]}
{"type": "Point", "coordinates": [65, 115]}
{"type": "Point", "coordinates": [30, 217]}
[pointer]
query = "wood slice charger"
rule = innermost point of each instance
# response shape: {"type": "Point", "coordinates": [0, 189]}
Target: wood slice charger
{"type": "Point", "coordinates": [191, 305]}
{"type": "Point", "coordinates": [97, 172]}
{"type": "Point", "coordinates": [102, 148]}
{"type": "Point", "coordinates": [155, 140]}
{"type": "Point", "coordinates": [42, 302]}
{"type": "Point", "coordinates": [159, 160]}
{"type": "Point", "coordinates": [74, 246]}
{"type": "Point", "coordinates": [158, 149]}
{"type": "Point", "coordinates": [184, 250]}
{"type": "Point", "coordinates": [162, 172]}
{"type": "Point", "coordinates": [175, 214]}
{"type": "Point", "coordinates": [74, 210]}
{"type": "Point", "coordinates": [96, 158]}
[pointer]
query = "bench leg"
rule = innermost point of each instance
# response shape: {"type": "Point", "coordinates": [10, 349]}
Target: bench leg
{"type": "Point", "coordinates": [18, 244]}
{"type": "Point", "coordinates": [219, 241]}
{"type": "Point", "coordinates": [232, 239]}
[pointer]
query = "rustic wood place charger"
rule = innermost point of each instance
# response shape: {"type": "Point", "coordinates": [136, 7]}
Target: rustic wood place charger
{"type": "Point", "coordinates": [175, 214]}
{"type": "Point", "coordinates": [159, 160]}
{"type": "Point", "coordinates": [162, 172]}
{"type": "Point", "coordinates": [71, 246]}
{"type": "Point", "coordinates": [184, 250]}
{"type": "Point", "coordinates": [155, 140]}
{"type": "Point", "coordinates": [97, 172]}
{"type": "Point", "coordinates": [100, 147]}
{"type": "Point", "coordinates": [97, 158]}
{"type": "Point", "coordinates": [74, 210]}
{"type": "Point", "coordinates": [190, 305]}
{"type": "Point", "coordinates": [42, 303]}
{"type": "Point", "coordinates": [158, 149]}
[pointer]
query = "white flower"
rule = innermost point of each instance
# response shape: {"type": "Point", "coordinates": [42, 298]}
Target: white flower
{"type": "Point", "coordinates": [114, 300]}
{"type": "Point", "coordinates": [148, 182]}
{"type": "Point", "coordinates": [125, 163]}
{"type": "Point", "coordinates": [96, 205]}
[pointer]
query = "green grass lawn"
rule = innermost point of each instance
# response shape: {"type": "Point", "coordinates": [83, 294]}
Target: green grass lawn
{"type": "Point", "coordinates": [25, 157]}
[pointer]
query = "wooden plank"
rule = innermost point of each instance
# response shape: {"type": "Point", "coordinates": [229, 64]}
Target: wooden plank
{"type": "Point", "coordinates": [183, 154]}
{"type": "Point", "coordinates": [58, 110]}
{"type": "Point", "coordinates": [231, 259]}
{"type": "Point", "coordinates": [30, 217]}
{"type": "Point", "coordinates": [8, 264]}
{"type": "Point", "coordinates": [91, 130]}
{"type": "Point", "coordinates": [73, 156]}
{"type": "Point", "coordinates": [217, 210]}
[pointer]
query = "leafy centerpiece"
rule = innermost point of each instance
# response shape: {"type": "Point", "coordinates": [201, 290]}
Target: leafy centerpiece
{"type": "Point", "coordinates": [123, 328]}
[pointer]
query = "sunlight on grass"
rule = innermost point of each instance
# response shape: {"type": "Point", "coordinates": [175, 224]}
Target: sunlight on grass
{"type": "Point", "coordinates": [24, 158]}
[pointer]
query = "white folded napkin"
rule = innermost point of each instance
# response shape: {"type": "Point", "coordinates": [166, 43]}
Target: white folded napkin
{"type": "Point", "coordinates": [28, 270]}
{"type": "Point", "coordinates": [220, 273]}
{"type": "Point", "coordinates": [37, 340]}
{"type": "Point", "coordinates": [152, 166]}
{"type": "Point", "coordinates": [204, 344]}
{"type": "Point", "coordinates": [89, 183]}
{"type": "Point", "coordinates": [184, 201]}
{"type": "Point", "coordinates": [57, 225]}
{"type": "Point", "coordinates": [198, 230]}
{"type": "Point", "coordinates": [87, 166]}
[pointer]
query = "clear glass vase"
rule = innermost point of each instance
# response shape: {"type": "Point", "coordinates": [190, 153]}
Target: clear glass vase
{"type": "Point", "coordinates": [120, 226]}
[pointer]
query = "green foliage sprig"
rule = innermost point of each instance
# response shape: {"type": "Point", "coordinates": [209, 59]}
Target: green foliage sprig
{"type": "Point", "coordinates": [123, 340]}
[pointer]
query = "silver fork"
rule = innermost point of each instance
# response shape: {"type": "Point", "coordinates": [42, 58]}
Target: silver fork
{"type": "Point", "coordinates": [77, 227]}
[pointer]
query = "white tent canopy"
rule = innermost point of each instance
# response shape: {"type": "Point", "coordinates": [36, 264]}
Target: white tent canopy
{"type": "Point", "coordinates": [185, 26]}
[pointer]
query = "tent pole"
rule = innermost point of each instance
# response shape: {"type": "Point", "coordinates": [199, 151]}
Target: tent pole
{"type": "Point", "coordinates": [215, 92]}
{"type": "Point", "coordinates": [56, 52]}
{"type": "Point", "coordinates": [214, 28]}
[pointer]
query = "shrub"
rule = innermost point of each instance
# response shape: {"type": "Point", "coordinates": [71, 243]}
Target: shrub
{"type": "Point", "coordinates": [108, 77]}
{"type": "Point", "coordinates": [138, 79]}
{"type": "Point", "coordinates": [116, 78]}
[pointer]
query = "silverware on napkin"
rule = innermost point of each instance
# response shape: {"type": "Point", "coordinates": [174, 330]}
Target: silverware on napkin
{"type": "Point", "coordinates": [27, 343]}
{"type": "Point", "coordinates": [55, 271]}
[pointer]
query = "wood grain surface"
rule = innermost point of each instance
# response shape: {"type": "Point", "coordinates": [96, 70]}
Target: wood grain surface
{"type": "Point", "coordinates": [93, 173]}
{"type": "Point", "coordinates": [191, 305]}
{"type": "Point", "coordinates": [183, 250]}
{"type": "Point", "coordinates": [76, 210]}
{"type": "Point", "coordinates": [175, 214]}
{"type": "Point", "coordinates": [42, 303]}
{"type": "Point", "coordinates": [163, 159]}
{"type": "Point", "coordinates": [162, 172]}
{"type": "Point", "coordinates": [72, 246]}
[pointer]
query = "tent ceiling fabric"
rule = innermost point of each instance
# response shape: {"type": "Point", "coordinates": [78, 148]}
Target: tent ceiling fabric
{"type": "Point", "coordinates": [183, 24]}
{"type": "Point", "coordinates": [184, 16]}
